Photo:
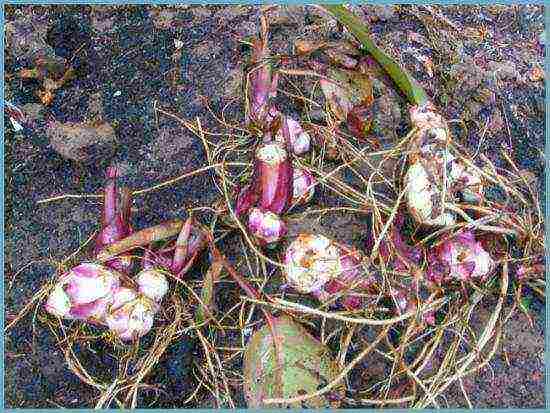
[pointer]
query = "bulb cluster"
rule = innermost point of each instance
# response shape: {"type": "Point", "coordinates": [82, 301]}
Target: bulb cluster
{"type": "Point", "coordinates": [95, 293]}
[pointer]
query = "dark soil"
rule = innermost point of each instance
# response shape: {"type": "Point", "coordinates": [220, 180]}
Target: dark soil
{"type": "Point", "coordinates": [128, 64]}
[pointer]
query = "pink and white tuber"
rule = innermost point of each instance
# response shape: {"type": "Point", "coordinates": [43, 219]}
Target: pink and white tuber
{"type": "Point", "coordinates": [93, 293]}
{"type": "Point", "coordinates": [271, 187]}
{"type": "Point", "coordinates": [461, 258]}
{"type": "Point", "coordinates": [266, 226]}
{"type": "Point", "coordinates": [303, 186]}
{"type": "Point", "coordinates": [152, 283]}
{"type": "Point", "coordinates": [291, 134]}
{"type": "Point", "coordinates": [316, 265]}
{"type": "Point", "coordinates": [131, 315]}
{"type": "Point", "coordinates": [435, 176]}
{"type": "Point", "coordinates": [269, 194]}
{"type": "Point", "coordinates": [84, 293]}
{"type": "Point", "coordinates": [275, 186]}
{"type": "Point", "coordinates": [310, 262]}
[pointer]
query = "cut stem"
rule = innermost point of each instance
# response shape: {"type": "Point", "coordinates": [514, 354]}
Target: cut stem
{"type": "Point", "coordinates": [141, 238]}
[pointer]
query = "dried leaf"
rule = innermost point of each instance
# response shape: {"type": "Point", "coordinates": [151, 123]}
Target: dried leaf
{"type": "Point", "coordinates": [304, 47]}
{"type": "Point", "coordinates": [357, 85]}
{"type": "Point", "coordinates": [77, 141]}
{"type": "Point", "coordinates": [346, 90]}
{"type": "Point", "coordinates": [359, 121]}
{"type": "Point", "coordinates": [341, 58]}
{"type": "Point", "coordinates": [142, 238]}
{"type": "Point", "coordinates": [337, 98]}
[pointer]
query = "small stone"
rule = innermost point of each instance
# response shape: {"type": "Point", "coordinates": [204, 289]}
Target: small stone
{"type": "Point", "coordinates": [85, 142]}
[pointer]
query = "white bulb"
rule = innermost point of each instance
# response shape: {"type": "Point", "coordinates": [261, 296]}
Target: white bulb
{"type": "Point", "coordinates": [152, 283]}
{"type": "Point", "coordinates": [311, 261]}
{"type": "Point", "coordinates": [421, 196]}
{"type": "Point", "coordinates": [132, 315]}
{"type": "Point", "coordinates": [58, 302]}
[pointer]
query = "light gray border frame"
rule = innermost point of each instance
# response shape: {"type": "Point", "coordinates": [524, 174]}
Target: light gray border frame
{"type": "Point", "coordinates": [106, 2]}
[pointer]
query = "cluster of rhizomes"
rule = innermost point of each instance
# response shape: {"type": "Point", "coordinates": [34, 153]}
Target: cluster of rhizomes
{"type": "Point", "coordinates": [317, 265]}
{"type": "Point", "coordinates": [276, 184]}
{"type": "Point", "coordinates": [105, 293]}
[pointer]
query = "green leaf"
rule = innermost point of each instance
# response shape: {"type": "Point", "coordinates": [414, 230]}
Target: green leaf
{"type": "Point", "coordinates": [406, 83]}
{"type": "Point", "coordinates": [307, 366]}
